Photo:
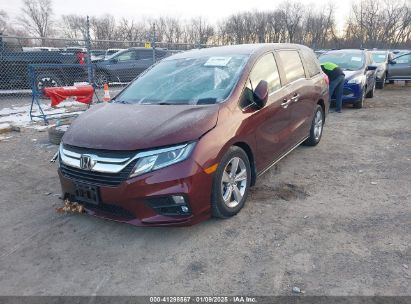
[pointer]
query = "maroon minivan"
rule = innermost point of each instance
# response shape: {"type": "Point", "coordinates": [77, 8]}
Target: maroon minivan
{"type": "Point", "coordinates": [189, 137]}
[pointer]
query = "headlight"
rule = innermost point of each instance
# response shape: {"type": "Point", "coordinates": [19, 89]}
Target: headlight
{"type": "Point", "coordinates": [157, 159]}
{"type": "Point", "coordinates": [356, 80]}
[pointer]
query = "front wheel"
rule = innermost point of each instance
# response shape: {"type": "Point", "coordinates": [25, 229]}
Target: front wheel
{"type": "Point", "coordinates": [317, 125]}
{"type": "Point", "coordinates": [360, 103]}
{"type": "Point", "coordinates": [381, 84]}
{"type": "Point", "coordinates": [370, 94]}
{"type": "Point", "coordinates": [231, 183]}
{"type": "Point", "coordinates": [100, 79]}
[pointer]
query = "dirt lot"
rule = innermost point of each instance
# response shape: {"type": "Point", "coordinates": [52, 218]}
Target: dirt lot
{"type": "Point", "coordinates": [331, 220]}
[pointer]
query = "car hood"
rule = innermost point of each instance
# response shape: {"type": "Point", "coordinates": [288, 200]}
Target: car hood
{"type": "Point", "coordinates": [112, 126]}
{"type": "Point", "coordinates": [352, 74]}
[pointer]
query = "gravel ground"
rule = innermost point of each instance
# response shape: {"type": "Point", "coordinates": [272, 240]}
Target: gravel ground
{"type": "Point", "coordinates": [331, 220]}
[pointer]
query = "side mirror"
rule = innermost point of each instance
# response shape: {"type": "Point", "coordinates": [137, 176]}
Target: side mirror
{"type": "Point", "coordinates": [261, 94]}
{"type": "Point", "coordinates": [391, 61]}
{"type": "Point", "coordinates": [371, 68]}
{"type": "Point", "coordinates": [113, 60]}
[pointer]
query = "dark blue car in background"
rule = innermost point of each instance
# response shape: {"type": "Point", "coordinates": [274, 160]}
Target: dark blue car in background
{"type": "Point", "coordinates": [359, 74]}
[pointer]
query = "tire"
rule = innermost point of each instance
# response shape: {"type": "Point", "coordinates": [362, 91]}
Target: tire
{"type": "Point", "coordinates": [370, 94]}
{"type": "Point", "coordinates": [100, 78]}
{"type": "Point", "coordinates": [46, 80]}
{"type": "Point", "coordinates": [226, 202]}
{"type": "Point", "coordinates": [316, 130]}
{"type": "Point", "coordinates": [381, 84]}
{"type": "Point", "coordinates": [360, 103]}
{"type": "Point", "coordinates": [56, 134]}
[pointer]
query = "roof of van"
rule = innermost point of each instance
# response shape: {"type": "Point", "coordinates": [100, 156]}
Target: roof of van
{"type": "Point", "coordinates": [239, 49]}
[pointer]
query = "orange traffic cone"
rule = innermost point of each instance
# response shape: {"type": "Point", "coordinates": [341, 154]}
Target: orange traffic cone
{"type": "Point", "coordinates": [106, 93]}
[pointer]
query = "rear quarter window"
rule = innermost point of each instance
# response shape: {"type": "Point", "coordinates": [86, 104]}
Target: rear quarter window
{"type": "Point", "coordinates": [145, 54]}
{"type": "Point", "coordinates": [292, 64]}
{"type": "Point", "coordinates": [311, 62]}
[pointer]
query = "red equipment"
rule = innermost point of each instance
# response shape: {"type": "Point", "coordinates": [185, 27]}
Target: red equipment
{"type": "Point", "coordinates": [81, 58]}
{"type": "Point", "coordinates": [83, 94]}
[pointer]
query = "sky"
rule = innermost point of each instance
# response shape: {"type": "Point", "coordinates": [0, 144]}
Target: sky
{"type": "Point", "coordinates": [213, 10]}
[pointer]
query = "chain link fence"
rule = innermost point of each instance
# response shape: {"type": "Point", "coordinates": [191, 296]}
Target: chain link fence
{"type": "Point", "coordinates": [110, 62]}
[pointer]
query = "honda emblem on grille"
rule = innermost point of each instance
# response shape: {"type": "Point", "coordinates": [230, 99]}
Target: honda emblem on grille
{"type": "Point", "coordinates": [87, 162]}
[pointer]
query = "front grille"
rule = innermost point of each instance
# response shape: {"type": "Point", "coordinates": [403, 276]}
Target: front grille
{"type": "Point", "coordinates": [97, 178]}
{"type": "Point", "coordinates": [101, 153]}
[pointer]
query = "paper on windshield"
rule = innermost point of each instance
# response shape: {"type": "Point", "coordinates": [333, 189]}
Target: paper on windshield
{"type": "Point", "coordinates": [355, 58]}
{"type": "Point", "coordinates": [217, 61]}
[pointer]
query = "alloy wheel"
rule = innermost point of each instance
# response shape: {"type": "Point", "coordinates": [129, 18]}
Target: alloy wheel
{"type": "Point", "coordinates": [318, 125]}
{"type": "Point", "coordinates": [234, 182]}
{"type": "Point", "coordinates": [100, 79]}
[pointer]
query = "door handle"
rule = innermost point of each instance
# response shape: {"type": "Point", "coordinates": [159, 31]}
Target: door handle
{"type": "Point", "coordinates": [285, 103]}
{"type": "Point", "coordinates": [295, 98]}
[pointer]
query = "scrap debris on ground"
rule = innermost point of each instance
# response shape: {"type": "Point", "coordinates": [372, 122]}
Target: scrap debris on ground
{"type": "Point", "coordinates": [70, 207]}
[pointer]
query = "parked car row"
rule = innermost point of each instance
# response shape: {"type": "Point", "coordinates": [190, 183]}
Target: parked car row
{"type": "Point", "coordinates": [125, 65]}
{"type": "Point", "coordinates": [366, 70]}
{"type": "Point", "coordinates": [112, 65]}
{"type": "Point", "coordinates": [14, 64]}
{"type": "Point", "coordinates": [98, 55]}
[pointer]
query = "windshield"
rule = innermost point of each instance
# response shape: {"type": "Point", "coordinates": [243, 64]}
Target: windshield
{"type": "Point", "coordinates": [379, 57]}
{"type": "Point", "coordinates": [350, 61]}
{"type": "Point", "coordinates": [205, 80]}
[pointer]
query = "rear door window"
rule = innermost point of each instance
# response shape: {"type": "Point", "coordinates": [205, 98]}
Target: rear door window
{"type": "Point", "coordinates": [266, 69]}
{"type": "Point", "coordinates": [145, 54]}
{"type": "Point", "coordinates": [293, 67]}
{"type": "Point", "coordinates": [126, 56]}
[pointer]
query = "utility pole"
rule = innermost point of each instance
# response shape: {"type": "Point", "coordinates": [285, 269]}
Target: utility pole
{"type": "Point", "coordinates": [88, 56]}
{"type": "Point", "coordinates": [153, 42]}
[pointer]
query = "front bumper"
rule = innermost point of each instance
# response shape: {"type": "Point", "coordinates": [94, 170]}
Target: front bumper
{"type": "Point", "coordinates": [352, 93]}
{"type": "Point", "coordinates": [128, 201]}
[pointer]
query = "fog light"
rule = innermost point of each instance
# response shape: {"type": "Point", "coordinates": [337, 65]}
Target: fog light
{"type": "Point", "coordinates": [184, 209]}
{"type": "Point", "coordinates": [179, 200]}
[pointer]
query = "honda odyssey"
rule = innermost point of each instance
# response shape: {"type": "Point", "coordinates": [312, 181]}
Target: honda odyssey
{"type": "Point", "coordinates": [188, 138]}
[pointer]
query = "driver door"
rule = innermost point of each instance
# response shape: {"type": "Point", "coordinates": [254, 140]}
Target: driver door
{"type": "Point", "coordinates": [401, 69]}
{"type": "Point", "coordinates": [123, 66]}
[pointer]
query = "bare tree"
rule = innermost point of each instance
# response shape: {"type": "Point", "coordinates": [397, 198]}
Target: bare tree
{"type": "Point", "coordinates": [372, 23]}
{"type": "Point", "coordinates": [292, 15]}
{"type": "Point", "coordinates": [36, 17]}
{"type": "Point", "coordinates": [104, 28]}
{"type": "Point", "coordinates": [379, 23]}
{"type": "Point", "coordinates": [319, 27]}
{"type": "Point", "coordinates": [3, 21]}
{"type": "Point", "coordinates": [74, 26]}
{"type": "Point", "coordinates": [130, 30]}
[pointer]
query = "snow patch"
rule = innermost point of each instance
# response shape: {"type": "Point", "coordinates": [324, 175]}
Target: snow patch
{"type": "Point", "coordinates": [19, 115]}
